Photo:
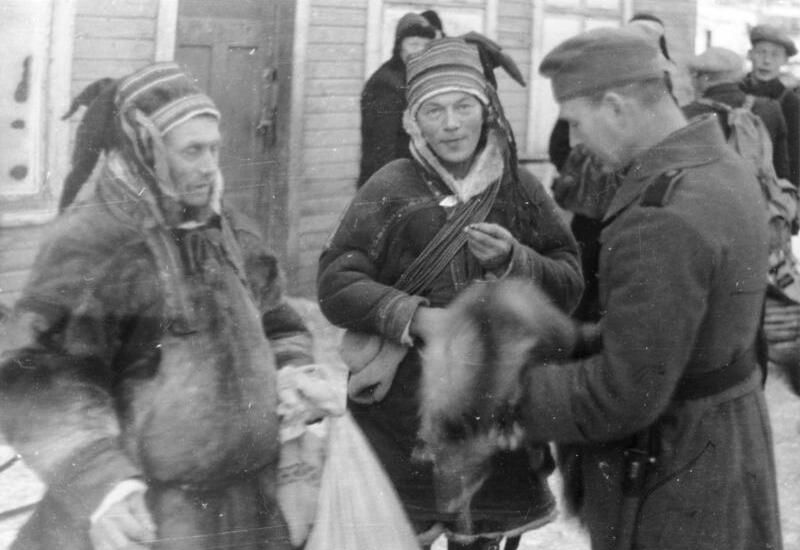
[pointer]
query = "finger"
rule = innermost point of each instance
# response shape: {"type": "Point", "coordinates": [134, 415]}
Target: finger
{"type": "Point", "coordinates": [492, 229]}
{"type": "Point", "coordinates": [106, 535]}
{"type": "Point", "coordinates": [132, 528]}
{"type": "Point", "coordinates": [138, 508]}
{"type": "Point", "coordinates": [473, 235]}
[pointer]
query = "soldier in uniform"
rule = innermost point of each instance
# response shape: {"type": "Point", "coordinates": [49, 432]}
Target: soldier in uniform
{"type": "Point", "coordinates": [666, 405]}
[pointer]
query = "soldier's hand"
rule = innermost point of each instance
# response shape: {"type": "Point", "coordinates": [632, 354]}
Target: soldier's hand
{"type": "Point", "coordinates": [126, 525]}
{"type": "Point", "coordinates": [491, 244]}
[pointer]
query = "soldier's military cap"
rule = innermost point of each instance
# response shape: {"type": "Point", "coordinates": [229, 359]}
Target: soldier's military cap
{"type": "Point", "coordinates": [771, 33]}
{"type": "Point", "coordinates": [716, 60]}
{"type": "Point", "coordinates": [600, 59]}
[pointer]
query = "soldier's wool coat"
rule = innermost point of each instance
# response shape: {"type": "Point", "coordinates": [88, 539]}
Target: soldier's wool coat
{"type": "Point", "coordinates": [681, 284]}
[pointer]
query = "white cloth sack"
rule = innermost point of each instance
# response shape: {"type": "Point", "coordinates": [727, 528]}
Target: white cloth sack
{"type": "Point", "coordinates": [306, 394]}
{"type": "Point", "coordinates": [358, 508]}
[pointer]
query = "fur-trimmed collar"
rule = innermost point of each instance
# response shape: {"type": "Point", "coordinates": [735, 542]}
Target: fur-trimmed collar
{"type": "Point", "coordinates": [486, 168]}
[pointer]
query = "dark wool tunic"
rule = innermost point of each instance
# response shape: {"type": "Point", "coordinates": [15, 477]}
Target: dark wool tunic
{"type": "Point", "coordinates": [682, 285]}
{"type": "Point", "coordinates": [144, 352]}
{"type": "Point", "coordinates": [387, 225]}
{"type": "Point", "coordinates": [790, 105]}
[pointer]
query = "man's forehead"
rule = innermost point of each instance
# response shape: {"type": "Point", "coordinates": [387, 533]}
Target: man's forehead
{"type": "Point", "coordinates": [199, 128]}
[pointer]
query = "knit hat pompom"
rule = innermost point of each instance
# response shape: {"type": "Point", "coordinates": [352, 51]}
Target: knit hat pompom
{"type": "Point", "coordinates": [446, 65]}
{"type": "Point", "coordinates": [165, 94]}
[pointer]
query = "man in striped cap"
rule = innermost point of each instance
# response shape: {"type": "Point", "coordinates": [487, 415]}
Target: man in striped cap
{"type": "Point", "coordinates": [141, 380]}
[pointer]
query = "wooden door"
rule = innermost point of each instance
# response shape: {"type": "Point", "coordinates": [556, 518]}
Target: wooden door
{"type": "Point", "coordinates": [229, 47]}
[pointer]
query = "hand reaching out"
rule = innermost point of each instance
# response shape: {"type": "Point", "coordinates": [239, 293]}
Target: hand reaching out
{"type": "Point", "coordinates": [491, 244]}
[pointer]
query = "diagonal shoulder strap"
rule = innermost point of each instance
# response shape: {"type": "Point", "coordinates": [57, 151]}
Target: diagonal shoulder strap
{"type": "Point", "coordinates": [446, 243]}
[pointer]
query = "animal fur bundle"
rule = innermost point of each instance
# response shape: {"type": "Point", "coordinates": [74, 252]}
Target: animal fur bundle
{"type": "Point", "coordinates": [472, 380]}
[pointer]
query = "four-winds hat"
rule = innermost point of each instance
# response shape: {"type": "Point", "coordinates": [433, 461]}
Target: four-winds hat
{"type": "Point", "coordinates": [165, 94]}
{"type": "Point", "coordinates": [770, 33]}
{"type": "Point", "coordinates": [716, 60]}
{"type": "Point", "coordinates": [446, 65]}
{"type": "Point", "coordinates": [600, 59]}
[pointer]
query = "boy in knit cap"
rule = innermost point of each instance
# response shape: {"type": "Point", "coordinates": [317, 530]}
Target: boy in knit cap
{"type": "Point", "coordinates": [383, 98]}
{"type": "Point", "coordinates": [140, 379]}
{"type": "Point", "coordinates": [666, 406]}
{"type": "Point", "coordinates": [462, 191]}
{"type": "Point", "coordinates": [771, 50]}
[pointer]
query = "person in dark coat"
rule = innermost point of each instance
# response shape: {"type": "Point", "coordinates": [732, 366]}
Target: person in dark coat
{"type": "Point", "coordinates": [666, 405]}
{"type": "Point", "coordinates": [715, 76]}
{"type": "Point", "coordinates": [138, 380]}
{"type": "Point", "coordinates": [383, 99]}
{"type": "Point", "coordinates": [771, 50]}
{"type": "Point", "coordinates": [463, 154]}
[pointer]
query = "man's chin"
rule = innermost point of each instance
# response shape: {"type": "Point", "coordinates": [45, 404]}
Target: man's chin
{"type": "Point", "coordinates": [765, 76]}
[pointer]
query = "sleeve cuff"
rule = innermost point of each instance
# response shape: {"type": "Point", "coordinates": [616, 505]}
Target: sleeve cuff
{"type": "Point", "coordinates": [92, 474]}
{"type": "Point", "coordinates": [397, 314]}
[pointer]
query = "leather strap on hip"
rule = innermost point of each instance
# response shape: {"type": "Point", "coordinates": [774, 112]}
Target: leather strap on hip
{"type": "Point", "coordinates": [706, 384]}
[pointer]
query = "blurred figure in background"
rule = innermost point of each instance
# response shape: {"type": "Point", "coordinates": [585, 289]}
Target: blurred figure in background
{"type": "Point", "coordinates": [383, 99]}
{"type": "Point", "coordinates": [771, 50]}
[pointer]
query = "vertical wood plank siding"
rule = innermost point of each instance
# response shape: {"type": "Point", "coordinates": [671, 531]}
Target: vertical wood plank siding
{"type": "Point", "coordinates": [680, 20]}
{"type": "Point", "coordinates": [335, 58]}
{"type": "Point", "coordinates": [513, 34]}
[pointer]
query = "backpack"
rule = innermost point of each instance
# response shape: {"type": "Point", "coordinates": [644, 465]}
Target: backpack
{"type": "Point", "coordinates": [749, 137]}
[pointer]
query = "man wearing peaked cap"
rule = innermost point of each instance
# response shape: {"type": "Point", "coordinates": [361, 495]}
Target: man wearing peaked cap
{"type": "Point", "coordinates": [665, 407]}
{"type": "Point", "coordinates": [771, 50]}
{"type": "Point", "coordinates": [715, 76]}
{"type": "Point", "coordinates": [141, 383]}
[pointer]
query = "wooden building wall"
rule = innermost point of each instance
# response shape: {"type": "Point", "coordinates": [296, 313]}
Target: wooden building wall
{"type": "Point", "coordinates": [111, 38]}
{"type": "Point", "coordinates": [514, 24]}
{"type": "Point", "coordinates": [680, 21]}
{"type": "Point", "coordinates": [334, 77]}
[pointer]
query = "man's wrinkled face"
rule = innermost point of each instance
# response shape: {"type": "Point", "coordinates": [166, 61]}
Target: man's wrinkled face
{"type": "Point", "coordinates": [411, 45]}
{"type": "Point", "coordinates": [596, 127]}
{"type": "Point", "coordinates": [767, 59]}
{"type": "Point", "coordinates": [451, 123]}
{"type": "Point", "coordinates": [193, 157]}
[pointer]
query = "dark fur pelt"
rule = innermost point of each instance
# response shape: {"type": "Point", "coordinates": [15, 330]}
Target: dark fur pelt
{"type": "Point", "coordinates": [95, 134]}
{"type": "Point", "coordinates": [472, 378]}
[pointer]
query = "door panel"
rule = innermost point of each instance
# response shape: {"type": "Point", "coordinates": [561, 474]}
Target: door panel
{"type": "Point", "coordinates": [227, 45]}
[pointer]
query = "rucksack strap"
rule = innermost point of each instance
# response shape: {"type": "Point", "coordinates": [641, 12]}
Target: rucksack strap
{"type": "Point", "coordinates": [446, 243]}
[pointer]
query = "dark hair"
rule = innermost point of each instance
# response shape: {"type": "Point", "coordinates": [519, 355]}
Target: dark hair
{"type": "Point", "coordinates": [433, 19]}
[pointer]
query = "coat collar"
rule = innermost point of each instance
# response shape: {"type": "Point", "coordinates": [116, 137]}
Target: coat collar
{"type": "Point", "coordinates": [698, 143]}
{"type": "Point", "coordinates": [772, 88]}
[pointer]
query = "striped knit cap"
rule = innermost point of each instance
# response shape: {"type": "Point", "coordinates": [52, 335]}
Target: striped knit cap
{"type": "Point", "coordinates": [446, 65]}
{"type": "Point", "coordinates": [165, 94]}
